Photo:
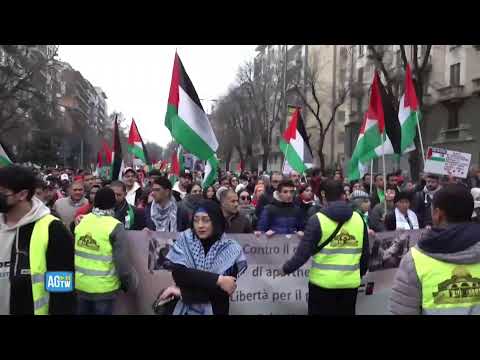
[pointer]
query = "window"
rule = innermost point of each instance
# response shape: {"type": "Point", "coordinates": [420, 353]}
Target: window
{"type": "Point", "coordinates": [361, 51]}
{"type": "Point", "coordinates": [360, 75]}
{"type": "Point", "coordinates": [453, 117]}
{"type": "Point", "coordinates": [455, 74]}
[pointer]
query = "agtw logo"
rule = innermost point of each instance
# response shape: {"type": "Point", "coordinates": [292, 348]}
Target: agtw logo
{"type": "Point", "coordinates": [59, 281]}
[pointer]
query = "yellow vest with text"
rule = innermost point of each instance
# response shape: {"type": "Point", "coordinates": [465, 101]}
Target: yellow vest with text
{"type": "Point", "coordinates": [95, 271]}
{"type": "Point", "coordinates": [38, 264]}
{"type": "Point", "coordinates": [447, 289]}
{"type": "Point", "coordinates": [337, 265]}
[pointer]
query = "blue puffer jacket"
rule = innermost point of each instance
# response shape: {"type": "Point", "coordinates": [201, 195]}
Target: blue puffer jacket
{"type": "Point", "coordinates": [282, 218]}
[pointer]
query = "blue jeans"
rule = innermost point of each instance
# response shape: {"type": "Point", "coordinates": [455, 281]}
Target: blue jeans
{"type": "Point", "coordinates": [94, 307]}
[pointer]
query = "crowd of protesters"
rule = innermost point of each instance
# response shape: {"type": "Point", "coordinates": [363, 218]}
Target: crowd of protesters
{"type": "Point", "coordinates": [271, 204]}
{"type": "Point", "coordinates": [249, 202]}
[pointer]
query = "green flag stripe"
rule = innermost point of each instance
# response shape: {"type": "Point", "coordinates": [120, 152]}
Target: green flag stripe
{"type": "Point", "coordinates": [4, 161]}
{"type": "Point", "coordinates": [187, 137]}
{"type": "Point", "coordinates": [409, 130]}
{"type": "Point", "coordinates": [292, 157]}
{"type": "Point", "coordinates": [137, 152]}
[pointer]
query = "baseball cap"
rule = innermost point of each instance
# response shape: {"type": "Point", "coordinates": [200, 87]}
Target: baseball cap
{"type": "Point", "coordinates": [129, 169]}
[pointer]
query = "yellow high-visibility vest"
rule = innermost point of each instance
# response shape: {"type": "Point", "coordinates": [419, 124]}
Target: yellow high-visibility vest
{"type": "Point", "coordinates": [447, 289]}
{"type": "Point", "coordinates": [95, 271]}
{"type": "Point", "coordinates": [337, 265]}
{"type": "Point", "coordinates": [38, 264]}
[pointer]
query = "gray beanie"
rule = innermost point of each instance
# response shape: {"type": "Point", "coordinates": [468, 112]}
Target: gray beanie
{"type": "Point", "coordinates": [359, 195]}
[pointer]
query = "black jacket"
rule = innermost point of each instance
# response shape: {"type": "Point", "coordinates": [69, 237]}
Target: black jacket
{"type": "Point", "coordinates": [59, 257]}
{"type": "Point", "coordinates": [422, 205]}
{"type": "Point", "coordinates": [139, 216]}
{"type": "Point", "coordinates": [183, 221]}
{"type": "Point", "coordinates": [337, 211]}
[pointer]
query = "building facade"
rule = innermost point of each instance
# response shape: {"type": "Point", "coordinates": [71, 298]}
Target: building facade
{"type": "Point", "coordinates": [451, 101]}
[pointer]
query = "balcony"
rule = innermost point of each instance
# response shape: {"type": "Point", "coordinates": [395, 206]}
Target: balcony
{"type": "Point", "coordinates": [451, 93]}
{"type": "Point", "coordinates": [476, 86]}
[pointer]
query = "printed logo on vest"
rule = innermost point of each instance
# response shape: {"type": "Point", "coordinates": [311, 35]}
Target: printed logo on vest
{"type": "Point", "coordinates": [88, 242]}
{"type": "Point", "coordinates": [344, 239]}
{"type": "Point", "coordinates": [460, 288]}
{"type": "Point", "coordinates": [59, 281]}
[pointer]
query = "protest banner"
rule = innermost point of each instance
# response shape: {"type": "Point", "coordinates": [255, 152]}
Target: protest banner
{"type": "Point", "coordinates": [447, 162]}
{"type": "Point", "coordinates": [261, 290]}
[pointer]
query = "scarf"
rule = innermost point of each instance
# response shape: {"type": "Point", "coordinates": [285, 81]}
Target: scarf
{"type": "Point", "coordinates": [429, 194]}
{"type": "Point", "coordinates": [402, 223]}
{"type": "Point", "coordinates": [164, 219]}
{"type": "Point", "coordinates": [188, 251]}
{"type": "Point", "coordinates": [100, 212]}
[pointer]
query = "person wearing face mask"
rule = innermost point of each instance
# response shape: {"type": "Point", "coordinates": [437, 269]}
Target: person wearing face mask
{"type": "Point", "coordinates": [32, 242]}
{"type": "Point", "coordinates": [205, 264]}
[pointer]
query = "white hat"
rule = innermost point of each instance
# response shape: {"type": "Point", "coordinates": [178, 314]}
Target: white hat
{"type": "Point", "coordinates": [240, 187]}
{"type": "Point", "coordinates": [64, 177]}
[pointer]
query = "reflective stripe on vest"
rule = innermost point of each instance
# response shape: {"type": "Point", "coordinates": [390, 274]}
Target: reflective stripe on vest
{"type": "Point", "coordinates": [38, 264]}
{"type": "Point", "coordinates": [95, 272]}
{"type": "Point", "coordinates": [337, 265]}
{"type": "Point", "coordinates": [447, 289]}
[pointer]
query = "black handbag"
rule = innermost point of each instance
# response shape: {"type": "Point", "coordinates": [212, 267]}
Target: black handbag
{"type": "Point", "coordinates": [164, 307]}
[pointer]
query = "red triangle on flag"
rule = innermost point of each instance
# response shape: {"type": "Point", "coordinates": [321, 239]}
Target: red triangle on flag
{"type": "Point", "coordinates": [375, 107]}
{"type": "Point", "coordinates": [410, 94]}
{"type": "Point", "coordinates": [133, 136]}
{"type": "Point", "coordinates": [291, 131]}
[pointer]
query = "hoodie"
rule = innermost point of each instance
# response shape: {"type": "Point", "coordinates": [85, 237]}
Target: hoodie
{"type": "Point", "coordinates": [338, 211]}
{"type": "Point", "coordinates": [15, 282]}
{"type": "Point", "coordinates": [455, 243]}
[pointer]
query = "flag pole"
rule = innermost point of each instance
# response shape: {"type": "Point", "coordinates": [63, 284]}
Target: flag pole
{"type": "Point", "coordinates": [420, 137]}
{"type": "Point", "coordinates": [371, 176]}
{"type": "Point", "coordinates": [384, 176]}
{"type": "Point", "coordinates": [285, 158]}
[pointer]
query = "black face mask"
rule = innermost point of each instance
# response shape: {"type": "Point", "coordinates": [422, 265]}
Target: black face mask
{"type": "Point", "coordinates": [5, 207]}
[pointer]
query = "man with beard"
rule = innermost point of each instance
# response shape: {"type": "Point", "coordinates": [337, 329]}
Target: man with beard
{"type": "Point", "coordinates": [422, 201]}
{"type": "Point", "coordinates": [132, 218]}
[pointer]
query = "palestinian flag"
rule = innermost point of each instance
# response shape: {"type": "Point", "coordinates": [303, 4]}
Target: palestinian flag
{"type": "Point", "coordinates": [98, 170]}
{"type": "Point", "coordinates": [108, 153]}
{"type": "Point", "coordinates": [369, 143]}
{"type": "Point", "coordinates": [117, 157]}
{"type": "Point", "coordinates": [136, 147]}
{"type": "Point", "coordinates": [294, 144]}
{"type": "Point", "coordinates": [408, 114]}
{"type": "Point", "coordinates": [5, 157]}
{"type": "Point", "coordinates": [211, 172]}
{"type": "Point", "coordinates": [186, 119]}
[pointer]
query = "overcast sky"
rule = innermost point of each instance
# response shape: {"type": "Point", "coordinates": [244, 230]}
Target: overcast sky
{"type": "Point", "coordinates": [136, 78]}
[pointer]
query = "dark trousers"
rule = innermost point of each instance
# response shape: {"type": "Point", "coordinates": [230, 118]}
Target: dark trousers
{"type": "Point", "coordinates": [331, 302]}
{"type": "Point", "coordinates": [94, 307]}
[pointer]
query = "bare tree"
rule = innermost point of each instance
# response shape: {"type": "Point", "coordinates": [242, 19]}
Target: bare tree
{"type": "Point", "coordinates": [420, 73]}
{"type": "Point", "coordinates": [318, 91]}
{"type": "Point", "coordinates": [264, 90]}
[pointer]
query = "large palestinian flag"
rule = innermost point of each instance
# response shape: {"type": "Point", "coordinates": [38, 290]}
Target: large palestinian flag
{"type": "Point", "coordinates": [187, 121]}
{"type": "Point", "coordinates": [5, 158]}
{"type": "Point", "coordinates": [136, 147]}
{"type": "Point", "coordinates": [294, 144]}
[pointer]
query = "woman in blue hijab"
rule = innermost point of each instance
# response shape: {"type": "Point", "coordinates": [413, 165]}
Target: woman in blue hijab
{"type": "Point", "coordinates": [205, 264]}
